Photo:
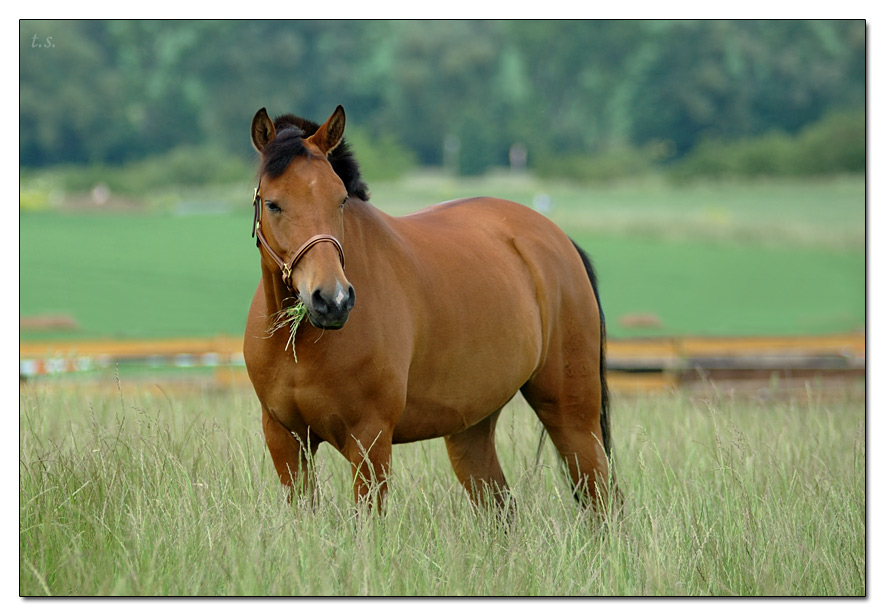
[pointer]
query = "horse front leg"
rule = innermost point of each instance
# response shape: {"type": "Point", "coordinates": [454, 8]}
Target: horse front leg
{"type": "Point", "coordinates": [292, 456]}
{"type": "Point", "coordinates": [369, 450]}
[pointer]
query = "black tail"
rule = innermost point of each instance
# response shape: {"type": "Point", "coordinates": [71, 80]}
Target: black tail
{"type": "Point", "coordinates": [603, 415]}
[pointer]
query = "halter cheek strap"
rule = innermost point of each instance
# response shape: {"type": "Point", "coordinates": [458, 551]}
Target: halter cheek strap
{"type": "Point", "coordinates": [287, 268]}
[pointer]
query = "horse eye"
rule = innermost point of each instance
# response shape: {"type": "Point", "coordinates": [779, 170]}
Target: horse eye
{"type": "Point", "coordinates": [271, 206]}
{"type": "Point", "coordinates": [343, 202]}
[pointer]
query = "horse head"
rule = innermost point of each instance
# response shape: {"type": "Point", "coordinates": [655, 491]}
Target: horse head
{"type": "Point", "coordinates": [299, 213]}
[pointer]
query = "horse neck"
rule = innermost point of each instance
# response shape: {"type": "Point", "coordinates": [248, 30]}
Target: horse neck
{"type": "Point", "coordinates": [364, 225]}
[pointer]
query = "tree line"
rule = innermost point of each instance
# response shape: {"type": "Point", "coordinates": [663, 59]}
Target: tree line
{"type": "Point", "coordinates": [113, 92]}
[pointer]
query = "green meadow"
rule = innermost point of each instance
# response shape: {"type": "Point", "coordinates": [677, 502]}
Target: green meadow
{"type": "Point", "coordinates": [767, 257]}
{"type": "Point", "coordinates": [150, 487]}
{"type": "Point", "coordinates": [161, 491]}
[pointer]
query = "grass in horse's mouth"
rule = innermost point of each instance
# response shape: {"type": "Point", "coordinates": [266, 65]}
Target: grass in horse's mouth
{"type": "Point", "coordinates": [291, 316]}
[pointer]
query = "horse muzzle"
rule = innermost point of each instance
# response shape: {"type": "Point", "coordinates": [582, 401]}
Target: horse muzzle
{"type": "Point", "coordinates": [329, 310]}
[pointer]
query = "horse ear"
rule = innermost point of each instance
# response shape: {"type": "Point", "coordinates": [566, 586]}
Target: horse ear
{"type": "Point", "coordinates": [263, 130]}
{"type": "Point", "coordinates": [329, 135]}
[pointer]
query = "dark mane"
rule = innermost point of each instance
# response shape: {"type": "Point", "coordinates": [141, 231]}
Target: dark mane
{"type": "Point", "coordinates": [291, 130]}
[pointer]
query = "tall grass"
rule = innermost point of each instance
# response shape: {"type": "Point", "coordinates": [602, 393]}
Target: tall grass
{"type": "Point", "coordinates": [139, 491]}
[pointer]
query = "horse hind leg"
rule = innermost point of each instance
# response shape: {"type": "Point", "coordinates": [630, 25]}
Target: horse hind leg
{"type": "Point", "coordinates": [475, 461]}
{"type": "Point", "coordinates": [573, 421]}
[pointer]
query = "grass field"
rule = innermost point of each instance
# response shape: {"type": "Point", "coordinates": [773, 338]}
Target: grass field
{"type": "Point", "coordinates": [150, 487]}
{"type": "Point", "coordinates": [772, 257]}
{"type": "Point", "coordinates": [144, 491]}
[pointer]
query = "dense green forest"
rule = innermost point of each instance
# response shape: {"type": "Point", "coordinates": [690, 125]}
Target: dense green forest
{"type": "Point", "coordinates": [113, 92]}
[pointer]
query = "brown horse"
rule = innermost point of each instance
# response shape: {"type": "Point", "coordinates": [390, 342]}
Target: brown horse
{"type": "Point", "coordinates": [438, 320]}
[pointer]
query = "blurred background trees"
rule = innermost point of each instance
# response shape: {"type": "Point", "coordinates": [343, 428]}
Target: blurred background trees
{"type": "Point", "coordinates": [585, 99]}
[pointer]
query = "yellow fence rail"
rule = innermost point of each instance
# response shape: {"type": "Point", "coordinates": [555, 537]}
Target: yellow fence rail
{"type": "Point", "coordinates": [635, 363]}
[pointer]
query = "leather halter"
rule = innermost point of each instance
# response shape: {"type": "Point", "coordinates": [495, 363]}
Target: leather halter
{"type": "Point", "coordinates": [285, 268]}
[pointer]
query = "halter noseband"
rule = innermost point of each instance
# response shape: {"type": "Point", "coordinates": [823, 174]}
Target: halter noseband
{"type": "Point", "coordinates": [285, 268]}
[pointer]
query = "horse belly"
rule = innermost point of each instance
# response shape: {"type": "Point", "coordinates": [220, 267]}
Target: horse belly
{"type": "Point", "coordinates": [464, 378]}
{"type": "Point", "coordinates": [426, 418]}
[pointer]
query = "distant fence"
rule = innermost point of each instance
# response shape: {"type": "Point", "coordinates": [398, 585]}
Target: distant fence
{"type": "Point", "coordinates": [223, 354]}
{"type": "Point", "coordinates": [653, 363]}
{"type": "Point", "coordinates": [633, 364]}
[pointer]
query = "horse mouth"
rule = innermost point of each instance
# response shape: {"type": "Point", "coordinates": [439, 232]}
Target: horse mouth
{"type": "Point", "coordinates": [324, 323]}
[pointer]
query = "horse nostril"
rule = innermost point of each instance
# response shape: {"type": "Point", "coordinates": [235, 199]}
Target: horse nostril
{"type": "Point", "coordinates": [319, 303]}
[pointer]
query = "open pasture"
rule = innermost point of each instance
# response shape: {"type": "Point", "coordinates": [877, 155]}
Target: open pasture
{"type": "Point", "coordinates": [771, 257]}
{"type": "Point", "coordinates": [153, 490]}
{"type": "Point", "coordinates": [168, 489]}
